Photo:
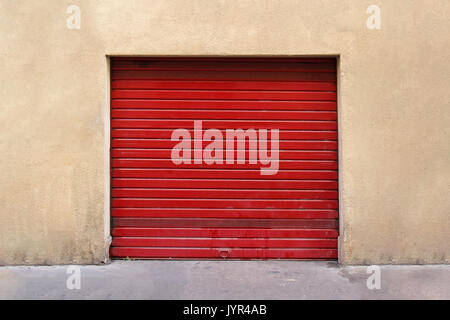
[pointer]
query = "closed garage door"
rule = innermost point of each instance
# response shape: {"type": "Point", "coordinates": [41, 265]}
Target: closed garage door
{"type": "Point", "coordinates": [271, 192]}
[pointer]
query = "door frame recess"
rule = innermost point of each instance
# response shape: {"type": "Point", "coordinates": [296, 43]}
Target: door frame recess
{"type": "Point", "coordinates": [107, 137]}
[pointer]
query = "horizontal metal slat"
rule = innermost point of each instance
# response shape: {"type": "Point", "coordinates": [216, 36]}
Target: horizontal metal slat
{"type": "Point", "coordinates": [221, 75]}
{"type": "Point", "coordinates": [222, 194]}
{"type": "Point", "coordinates": [224, 213]}
{"type": "Point", "coordinates": [223, 232]}
{"type": "Point", "coordinates": [290, 59]}
{"type": "Point", "coordinates": [222, 104]}
{"type": "Point", "coordinates": [167, 134]}
{"type": "Point", "coordinates": [222, 115]}
{"type": "Point", "coordinates": [224, 242]}
{"type": "Point", "coordinates": [221, 253]}
{"type": "Point", "coordinates": [223, 95]}
{"type": "Point", "coordinates": [223, 174]}
{"type": "Point", "coordinates": [224, 85]}
{"type": "Point", "coordinates": [226, 65]}
{"type": "Point", "coordinates": [222, 203]}
{"type": "Point", "coordinates": [224, 223]}
{"type": "Point", "coordinates": [282, 164]}
{"type": "Point", "coordinates": [220, 184]}
{"type": "Point", "coordinates": [167, 153]}
{"type": "Point", "coordinates": [283, 144]}
{"type": "Point", "coordinates": [224, 124]}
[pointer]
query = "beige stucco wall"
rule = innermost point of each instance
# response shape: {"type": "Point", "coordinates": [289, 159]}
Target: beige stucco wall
{"type": "Point", "coordinates": [394, 113]}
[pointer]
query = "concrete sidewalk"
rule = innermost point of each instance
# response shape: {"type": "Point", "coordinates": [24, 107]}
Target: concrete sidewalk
{"type": "Point", "coordinates": [225, 280]}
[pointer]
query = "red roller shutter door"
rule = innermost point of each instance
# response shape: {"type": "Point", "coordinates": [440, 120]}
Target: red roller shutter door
{"type": "Point", "coordinates": [209, 211]}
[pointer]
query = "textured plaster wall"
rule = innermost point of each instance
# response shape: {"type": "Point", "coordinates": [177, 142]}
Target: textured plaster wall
{"type": "Point", "coordinates": [394, 113]}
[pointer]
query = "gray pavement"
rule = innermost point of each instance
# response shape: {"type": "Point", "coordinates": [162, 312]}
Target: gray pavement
{"type": "Point", "coordinates": [224, 280]}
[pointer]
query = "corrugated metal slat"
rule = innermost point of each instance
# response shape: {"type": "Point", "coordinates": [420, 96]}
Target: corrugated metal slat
{"type": "Point", "coordinates": [224, 210]}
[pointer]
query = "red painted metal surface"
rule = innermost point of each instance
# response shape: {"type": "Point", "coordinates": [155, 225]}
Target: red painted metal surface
{"type": "Point", "coordinates": [224, 233]}
{"type": "Point", "coordinates": [217, 253]}
{"type": "Point", "coordinates": [222, 104]}
{"type": "Point", "coordinates": [224, 124]}
{"type": "Point", "coordinates": [223, 242]}
{"type": "Point", "coordinates": [212, 211]}
{"type": "Point", "coordinates": [222, 174]}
